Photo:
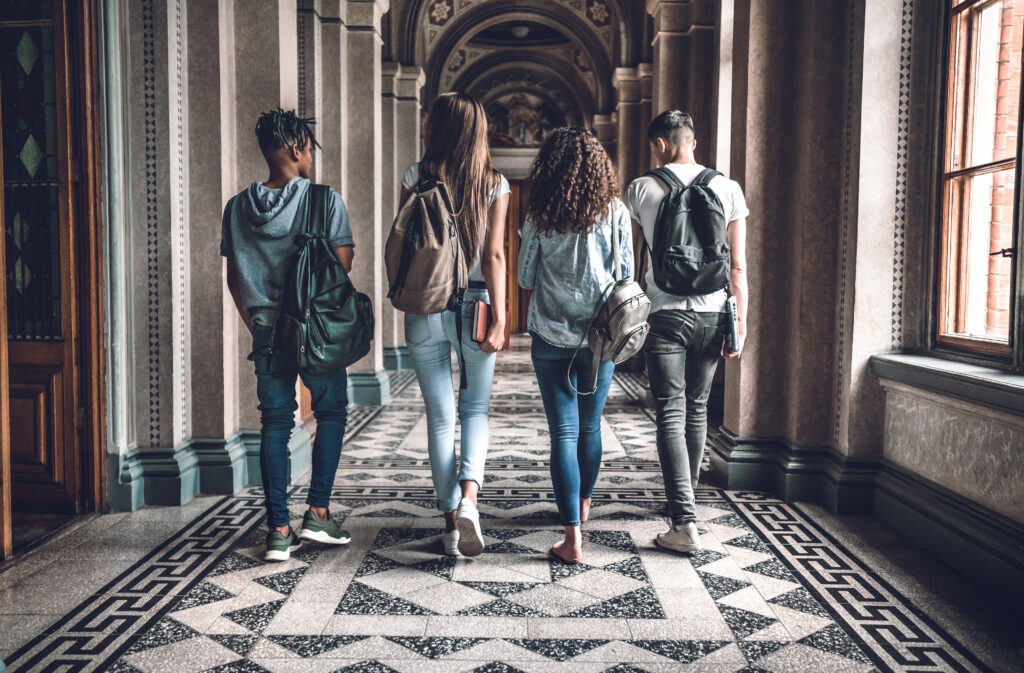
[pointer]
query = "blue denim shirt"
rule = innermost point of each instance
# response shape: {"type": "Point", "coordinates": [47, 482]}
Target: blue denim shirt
{"type": "Point", "coordinates": [570, 274]}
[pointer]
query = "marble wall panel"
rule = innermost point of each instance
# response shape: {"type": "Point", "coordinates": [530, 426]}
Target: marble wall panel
{"type": "Point", "coordinates": [971, 450]}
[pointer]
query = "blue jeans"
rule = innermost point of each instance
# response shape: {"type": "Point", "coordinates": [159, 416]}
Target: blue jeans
{"type": "Point", "coordinates": [275, 389]}
{"type": "Point", "coordinates": [430, 339]}
{"type": "Point", "coordinates": [682, 350]}
{"type": "Point", "coordinates": [574, 422]}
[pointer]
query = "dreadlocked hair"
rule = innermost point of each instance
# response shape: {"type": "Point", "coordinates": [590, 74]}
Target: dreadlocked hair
{"type": "Point", "coordinates": [282, 128]}
{"type": "Point", "coordinates": [574, 182]}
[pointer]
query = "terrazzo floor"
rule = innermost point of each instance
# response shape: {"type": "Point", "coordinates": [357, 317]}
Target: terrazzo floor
{"type": "Point", "coordinates": [778, 588]}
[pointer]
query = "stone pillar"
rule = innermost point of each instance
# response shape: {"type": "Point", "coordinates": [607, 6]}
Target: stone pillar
{"type": "Point", "coordinates": [215, 326]}
{"type": "Point", "coordinates": [646, 114]}
{"type": "Point", "coordinates": [788, 73]}
{"type": "Point", "coordinates": [401, 123]}
{"type": "Point", "coordinates": [368, 381]}
{"type": "Point", "coordinates": [631, 130]}
{"type": "Point", "coordinates": [160, 250]}
{"type": "Point", "coordinates": [866, 293]}
{"type": "Point", "coordinates": [606, 130]}
{"type": "Point", "coordinates": [266, 77]}
{"type": "Point", "coordinates": [310, 73]}
{"type": "Point", "coordinates": [332, 84]}
{"type": "Point", "coordinates": [684, 65]}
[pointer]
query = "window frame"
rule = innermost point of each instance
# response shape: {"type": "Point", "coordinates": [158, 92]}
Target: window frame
{"type": "Point", "coordinates": [1009, 355]}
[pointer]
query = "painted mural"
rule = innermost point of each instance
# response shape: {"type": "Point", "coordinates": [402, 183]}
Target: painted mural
{"type": "Point", "coordinates": [521, 119]}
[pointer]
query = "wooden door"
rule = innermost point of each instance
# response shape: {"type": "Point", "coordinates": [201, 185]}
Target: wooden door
{"type": "Point", "coordinates": [40, 261]}
{"type": "Point", "coordinates": [518, 299]}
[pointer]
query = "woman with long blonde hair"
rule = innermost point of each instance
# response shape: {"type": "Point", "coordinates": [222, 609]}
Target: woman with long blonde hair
{"type": "Point", "coordinates": [457, 154]}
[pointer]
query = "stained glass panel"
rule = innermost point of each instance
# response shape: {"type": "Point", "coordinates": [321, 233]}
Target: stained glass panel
{"type": "Point", "coordinates": [28, 110]}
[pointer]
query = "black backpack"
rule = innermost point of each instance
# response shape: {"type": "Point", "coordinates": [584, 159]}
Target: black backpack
{"type": "Point", "coordinates": [322, 325]}
{"type": "Point", "coordinates": [690, 248]}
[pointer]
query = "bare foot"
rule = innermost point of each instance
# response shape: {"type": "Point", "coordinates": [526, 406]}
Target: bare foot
{"type": "Point", "coordinates": [568, 552]}
{"type": "Point", "coordinates": [584, 509]}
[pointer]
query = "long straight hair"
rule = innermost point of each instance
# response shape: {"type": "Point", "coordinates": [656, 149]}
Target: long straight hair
{"type": "Point", "coordinates": [457, 154]}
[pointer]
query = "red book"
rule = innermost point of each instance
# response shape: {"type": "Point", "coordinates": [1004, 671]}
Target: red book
{"type": "Point", "coordinates": [482, 322]}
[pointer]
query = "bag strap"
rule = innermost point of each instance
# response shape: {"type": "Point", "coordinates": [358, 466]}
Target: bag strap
{"type": "Point", "coordinates": [705, 177]}
{"type": "Point", "coordinates": [616, 251]}
{"type": "Point", "coordinates": [668, 177]}
{"type": "Point", "coordinates": [316, 210]}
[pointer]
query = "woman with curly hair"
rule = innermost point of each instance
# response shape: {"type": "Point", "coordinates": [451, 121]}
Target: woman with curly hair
{"type": "Point", "coordinates": [568, 262]}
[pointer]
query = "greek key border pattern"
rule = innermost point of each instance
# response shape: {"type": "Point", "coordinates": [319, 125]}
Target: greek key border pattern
{"type": "Point", "coordinates": [92, 635]}
{"type": "Point", "coordinates": [899, 637]}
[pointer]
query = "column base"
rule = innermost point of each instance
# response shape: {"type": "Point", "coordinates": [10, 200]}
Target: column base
{"type": "Point", "coordinates": [222, 464]}
{"type": "Point", "coordinates": [300, 452]}
{"type": "Point", "coordinates": [169, 476]}
{"type": "Point", "coordinates": [371, 388]}
{"type": "Point", "coordinates": [397, 358]}
{"type": "Point", "coordinates": [124, 482]}
{"type": "Point", "coordinates": [817, 474]}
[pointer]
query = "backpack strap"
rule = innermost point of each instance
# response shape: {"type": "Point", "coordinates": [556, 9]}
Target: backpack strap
{"type": "Point", "coordinates": [668, 177]}
{"type": "Point", "coordinates": [316, 210]}
{"type": "Point", "coordinates": [705, 177]}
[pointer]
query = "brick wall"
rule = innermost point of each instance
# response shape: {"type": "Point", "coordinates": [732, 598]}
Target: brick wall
{"type": "Point", "coordinates": [1011, 35]}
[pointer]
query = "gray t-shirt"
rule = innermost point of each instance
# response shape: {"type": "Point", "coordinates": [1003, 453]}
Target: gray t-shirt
{"type": "Point", "coordinates": [257, 232]}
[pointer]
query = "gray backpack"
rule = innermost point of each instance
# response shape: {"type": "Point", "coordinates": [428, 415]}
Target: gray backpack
{"type": "Point", "coordinates": [426, 268]}
{"type": "Point", "coordinates": [619, 326]}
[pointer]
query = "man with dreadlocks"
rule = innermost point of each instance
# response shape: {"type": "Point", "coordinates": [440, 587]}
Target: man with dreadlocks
{"type": "Point", "coordinates": [257, 235]}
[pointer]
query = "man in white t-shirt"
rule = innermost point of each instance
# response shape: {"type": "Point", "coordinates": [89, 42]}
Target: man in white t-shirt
{"type": "Point", "coordinates": [687, 332]}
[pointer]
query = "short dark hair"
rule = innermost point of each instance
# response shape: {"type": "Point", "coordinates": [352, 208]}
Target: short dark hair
{"type": "Point", "coordinates": [672, 125]}
{"type": "Point", "coordinates": [282, 128]}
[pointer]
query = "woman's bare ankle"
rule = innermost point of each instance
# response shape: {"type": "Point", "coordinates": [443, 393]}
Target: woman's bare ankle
{"type": "Point", "coordinates": [585, 509]}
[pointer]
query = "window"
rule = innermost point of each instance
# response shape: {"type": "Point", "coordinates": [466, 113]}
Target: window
{"type": "Point", "coordinates": [979, 177]}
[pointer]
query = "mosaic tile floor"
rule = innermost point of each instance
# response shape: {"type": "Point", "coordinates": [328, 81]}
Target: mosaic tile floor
{"type": "Point", "coordinates": [771, 592]}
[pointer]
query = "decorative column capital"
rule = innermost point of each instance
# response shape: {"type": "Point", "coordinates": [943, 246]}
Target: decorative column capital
{"type": "Point", "coordinates": [605, 127]}
{"type": "Point", "coordinates": [366, 13]}
{"type": "Point", "coordinates": [646, 73]}
{"type": "Point", "coordinates": [674, 16]}
{"type": "Point", "coordinates": [402, 81]}
{"type": "Point", "coordinates": [627, 83]}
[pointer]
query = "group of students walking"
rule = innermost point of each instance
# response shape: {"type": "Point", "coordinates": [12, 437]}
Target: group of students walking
{"type": "Point", "coordinates": [576, 244]}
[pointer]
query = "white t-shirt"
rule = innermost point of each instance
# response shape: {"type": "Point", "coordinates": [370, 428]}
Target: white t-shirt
{"type": "Point", "coordinates": [412, 177]}
{"type": "Point", "coordinates": [643, 198]}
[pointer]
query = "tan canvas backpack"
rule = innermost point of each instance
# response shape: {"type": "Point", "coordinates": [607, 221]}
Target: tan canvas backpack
{"type": "Point", "coordinates": [427, 271]}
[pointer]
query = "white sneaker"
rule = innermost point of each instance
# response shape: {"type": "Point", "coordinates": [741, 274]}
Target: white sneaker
{"type": "Point", "coordinates": [683, 538]}
{"type": "Point", "coordinates": [450, 543]}
{"type": "Point", "coordinates": [467, 523]}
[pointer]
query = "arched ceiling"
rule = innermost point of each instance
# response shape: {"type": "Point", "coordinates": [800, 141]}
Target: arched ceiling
{"type": "Point", "coordinates": [574, 44]}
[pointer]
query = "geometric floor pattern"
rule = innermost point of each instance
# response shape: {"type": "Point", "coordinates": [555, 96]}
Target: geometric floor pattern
{"type": "Point", "coordinates": [770, 592]}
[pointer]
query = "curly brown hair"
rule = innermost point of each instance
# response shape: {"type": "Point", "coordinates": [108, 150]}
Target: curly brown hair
{"type": "Point", "coordinates": [574, 182]}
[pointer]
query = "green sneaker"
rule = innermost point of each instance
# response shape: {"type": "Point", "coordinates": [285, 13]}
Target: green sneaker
{"type": "Point", "coordinates": [327, 532]}
{"type": "Point", "coordinates": [280, 547]}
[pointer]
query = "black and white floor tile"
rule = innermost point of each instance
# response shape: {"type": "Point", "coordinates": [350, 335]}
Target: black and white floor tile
{"type": "Point", "coordinates": [771, 592]}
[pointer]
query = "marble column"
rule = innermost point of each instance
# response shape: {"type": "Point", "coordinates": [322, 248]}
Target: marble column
{"type": "Point", "coordinates": [631, 129]}
{"type": "Point", "coordinates": [215, 326]}
{"type": "Point", "coordinates": [158, 148]}
{"type": "Point", "coordinates": [606, 130]}
{"type": "Point", "coordinates": [685, 64]}
{"type": "Point", "coordinates": [368, 381]}
{"type": "Point", "coordinates": [266, 77]}
{"type": "Point", "coordinates": [401, 147]}
{"type": "Point", "coordinates": [788, 74]}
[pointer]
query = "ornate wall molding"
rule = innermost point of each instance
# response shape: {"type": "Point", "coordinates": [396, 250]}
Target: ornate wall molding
{"type": "Point", "coordinates": [152, 230]}
{"type": "Point", "coordinates": [902, 149]}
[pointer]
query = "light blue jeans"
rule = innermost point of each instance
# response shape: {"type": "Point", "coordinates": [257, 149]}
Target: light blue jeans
{"type": "Point", "coordinates": [430, 339]}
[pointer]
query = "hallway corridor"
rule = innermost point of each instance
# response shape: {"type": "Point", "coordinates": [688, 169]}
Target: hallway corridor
{"type": "Point", "coordinates": [778, 588]}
